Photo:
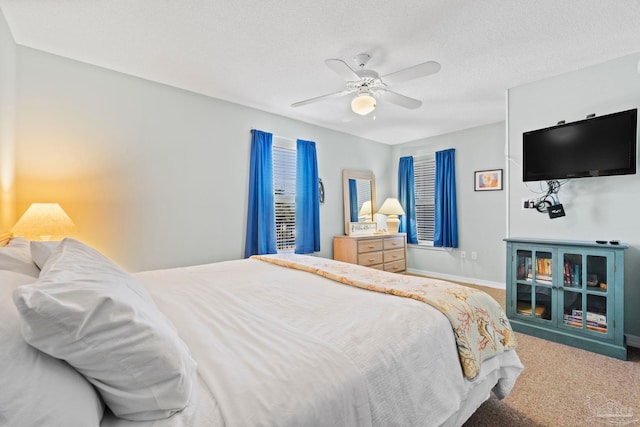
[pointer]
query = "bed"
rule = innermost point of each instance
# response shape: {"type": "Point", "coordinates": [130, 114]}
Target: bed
{"type": "Point", "coordinates": [252, 342]}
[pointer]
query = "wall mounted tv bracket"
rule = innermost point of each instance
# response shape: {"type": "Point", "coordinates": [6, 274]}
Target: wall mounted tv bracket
{"type": "Point", "coordinates": [589, 116]}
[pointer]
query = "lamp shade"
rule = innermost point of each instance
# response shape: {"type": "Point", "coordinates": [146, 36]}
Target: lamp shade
{"type": "Point", "coordinates": [363, 104]}
{"type": "Point", "coordinates": [365, 210]}
{"type": "Point", "coordinates": [42, 221]}
{"type": "Point", "coordinates": [391, 206]}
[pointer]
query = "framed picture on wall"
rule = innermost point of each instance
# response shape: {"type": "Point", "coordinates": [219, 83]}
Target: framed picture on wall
{"type": "Point", "coordinates": [488, 180]}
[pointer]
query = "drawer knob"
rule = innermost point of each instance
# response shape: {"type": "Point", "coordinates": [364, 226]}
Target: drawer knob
{"type": "Point", "coordinates": [371, 259]}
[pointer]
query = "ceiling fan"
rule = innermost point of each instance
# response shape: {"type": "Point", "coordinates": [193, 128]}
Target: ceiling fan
{"type": "Point", "coordinates": [367, 85]}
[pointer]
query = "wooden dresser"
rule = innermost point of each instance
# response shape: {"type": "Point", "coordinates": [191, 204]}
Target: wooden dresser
{"type": "Point", "coordinates": [386, 252]}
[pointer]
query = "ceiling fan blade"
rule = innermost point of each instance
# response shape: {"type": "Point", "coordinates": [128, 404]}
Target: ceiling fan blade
{"type": "Point", "coordinates": [323, 97]}
{"type": "Point", "coordinates": [420, 70]}
{"type": "Point", "coordinates": [342, 69]}
{"type": "Point", "coordinates": [401, 100]}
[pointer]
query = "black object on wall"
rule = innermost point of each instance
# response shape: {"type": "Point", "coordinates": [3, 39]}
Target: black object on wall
{"type": "Point", "coordinates": [598, 146]}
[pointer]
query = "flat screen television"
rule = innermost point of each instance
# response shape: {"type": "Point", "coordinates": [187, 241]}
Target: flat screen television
{"type": "Point", "coordinates": [598, 146]}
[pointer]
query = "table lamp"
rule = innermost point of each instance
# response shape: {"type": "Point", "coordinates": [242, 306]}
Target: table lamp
{"type": "Point", "coordinates": [42, 221]}
{"type": "Point", "coordinates": [392, 208]}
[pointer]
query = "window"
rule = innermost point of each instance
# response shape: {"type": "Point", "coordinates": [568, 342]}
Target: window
{"type": "Point", "coordinates": [363, 189]}
{"type": "Point", "coordinates": [283, 182]}
{"type": "Point", "coordinates": [284, 191]}
{"type": "Point", "coordinates": [424, 176]}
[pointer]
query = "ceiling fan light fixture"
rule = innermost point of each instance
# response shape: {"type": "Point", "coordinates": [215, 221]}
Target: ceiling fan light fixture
{"type": "Point", "coordinates": [363, 103]}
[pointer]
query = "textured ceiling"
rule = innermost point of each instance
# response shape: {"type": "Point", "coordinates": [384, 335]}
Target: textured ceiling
{"type": "Point", "coordinates": [270, 54]}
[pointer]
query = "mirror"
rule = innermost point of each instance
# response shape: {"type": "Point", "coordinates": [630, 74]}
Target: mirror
{"type": "Point", "coordinates": [359, 191]}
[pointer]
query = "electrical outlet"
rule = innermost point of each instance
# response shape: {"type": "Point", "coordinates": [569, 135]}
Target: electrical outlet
{"type": "Point", "coordinates": [528, 204]}
{"type": "Point", "coordinates": [463, 254]}
{"type": "Point", "coordinates": [474, 255]}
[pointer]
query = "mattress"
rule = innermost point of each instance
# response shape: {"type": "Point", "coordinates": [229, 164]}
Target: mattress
{"type": "Point", "coordinates": [283, 347]}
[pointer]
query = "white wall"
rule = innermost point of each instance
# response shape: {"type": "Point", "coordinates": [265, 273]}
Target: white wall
{"type": "Point", "coordinates": [481, 215]}
{"type": "Point", "coordinates": [148, 172]}
{"type": "Point", "coordinates": [596, 208]}
{"type": "Point", "coordinates": [152, 175]}
{"type": "Point", "coordinates": [7, 124]}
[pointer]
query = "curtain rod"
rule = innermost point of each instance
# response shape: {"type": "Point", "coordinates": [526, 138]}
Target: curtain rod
{"type": "Point", "coordinates": [422, 155]}
{"type": "Point", "coordinates": [284, 137]}
{"type": "Point", "coordinates": [280, 137]}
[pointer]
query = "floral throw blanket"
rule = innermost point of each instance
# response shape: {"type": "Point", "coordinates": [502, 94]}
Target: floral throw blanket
{"type": "Point", "coordinates": [479, 324]}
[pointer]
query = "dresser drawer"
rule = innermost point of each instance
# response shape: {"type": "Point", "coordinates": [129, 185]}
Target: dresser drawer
{"type": "Point", "coordinates": [394, 255]}
{"type": "Point", "coordinates": [395, 266]}
{"type": "Point", "coordinates": [382, 252]}
{"type": "Point", "coordinates": [370, 258]}
{"type": "Point", "coordinates": [370, 245]}
{"type": "Point", "coordinates": [393, 243]}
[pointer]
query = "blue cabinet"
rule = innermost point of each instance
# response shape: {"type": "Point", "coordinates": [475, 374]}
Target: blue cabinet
{"type": "Point", "coordinates": [571, 292]}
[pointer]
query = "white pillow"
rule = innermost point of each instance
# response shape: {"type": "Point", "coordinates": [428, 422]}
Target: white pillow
{"type": "Point", "coordinates": [16, 256]}
{"type": "Point", "coordinates": [86, 310]}
{"type": "Point", "coordinates": [38, 390]}
{"type": "Point", "coordinates": [41, 251]}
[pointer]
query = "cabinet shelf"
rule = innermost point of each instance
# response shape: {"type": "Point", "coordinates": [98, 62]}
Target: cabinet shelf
{"type": "Point", "coordinates": [552, 283]}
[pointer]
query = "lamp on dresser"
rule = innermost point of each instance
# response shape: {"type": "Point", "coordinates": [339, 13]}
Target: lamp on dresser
{"type": "Point", "coordinates": [366, 211]}
{"type": "Point", "coordinates": [42, 221]}
{"type": "Point", "coordinates": [392, 208]}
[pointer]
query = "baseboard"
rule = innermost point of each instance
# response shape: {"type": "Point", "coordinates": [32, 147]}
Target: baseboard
{"type": "Point", "coordinates": [454, 278]}
{"type": "Point", "coordinates": [633, 341]}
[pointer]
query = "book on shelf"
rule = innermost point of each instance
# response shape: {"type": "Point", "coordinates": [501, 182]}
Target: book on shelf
{"type": "Point", "coordinates": [543, 270]}
{"type": "Point", "coordinates": [525, 308]}
{"type": "Point", "coordinates": [544, 267]}
{"type": "Point", "coordinates": [597, 328]}
{"type": "Point", "coordinates": [579, 320]}
{"type": "Point", "coordinates": [524, 267]}
{"type": "Point", "coordinates": [572, 273]}
{"type": "Point", "coordinates": [591, 317]}
{"type": "Point", "coordinates": [591, 327]}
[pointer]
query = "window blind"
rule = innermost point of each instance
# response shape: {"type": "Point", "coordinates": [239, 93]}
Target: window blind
{"type": "Point", "coordinates": [284, 190]}
{"type": "Point", "coordinates": [363, 187]}
{"type": "Point", "coordinates": [424, 175]}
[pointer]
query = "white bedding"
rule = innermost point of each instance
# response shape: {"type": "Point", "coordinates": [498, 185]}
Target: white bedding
{"type": "Point", "coordinates": [281, 347]}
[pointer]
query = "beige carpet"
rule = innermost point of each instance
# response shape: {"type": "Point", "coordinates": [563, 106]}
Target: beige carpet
{"type": "Point", "coordinates": [565, 386]}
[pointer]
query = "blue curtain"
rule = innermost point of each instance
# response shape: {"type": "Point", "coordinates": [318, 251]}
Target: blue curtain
{"type": "Point", "coordinates": [407, 199]}
{"type": "Point", "coordinates": [261, 221]}
{"type": "Point", "coordinates": [353, 200]}
{"type": "Point", "coordinates": [446, 212]}
{"type": "Point", "coordinates": [307, 199]}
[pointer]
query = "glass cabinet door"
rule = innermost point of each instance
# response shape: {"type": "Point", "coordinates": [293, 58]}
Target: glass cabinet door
{"type": "Point", "coordinates": [534, 278]}
{"type": "Point", "coordinates": [585, 300]}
